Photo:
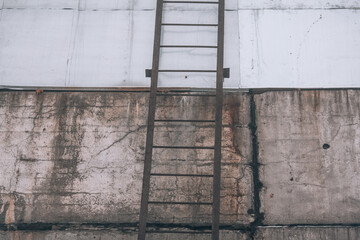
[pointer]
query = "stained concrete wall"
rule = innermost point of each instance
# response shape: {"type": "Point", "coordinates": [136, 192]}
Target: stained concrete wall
{"type": "Point", "coordinates": [308, 233]}
{"type": "Point", "coordinates": [310, 142]}
{"type": "Point", "coordinates": [78, 158]}
{"type": "Point", "coordinates": [72, 164]}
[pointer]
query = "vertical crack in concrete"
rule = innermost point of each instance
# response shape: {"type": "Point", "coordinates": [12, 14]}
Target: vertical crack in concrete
{"type": "Point", "coordinates": [257, 185]}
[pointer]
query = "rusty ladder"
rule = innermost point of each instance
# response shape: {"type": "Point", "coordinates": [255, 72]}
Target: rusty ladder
{"type": "Point", "coordinates": [153, 73]}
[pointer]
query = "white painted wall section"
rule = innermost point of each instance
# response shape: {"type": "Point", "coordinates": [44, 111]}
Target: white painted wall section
{"type": "Point", "coordinates": [108, 43]}
{"type": "Point", "coordinates": [34, 46]}
{"type": "Point", "coordinates": [297, 48]}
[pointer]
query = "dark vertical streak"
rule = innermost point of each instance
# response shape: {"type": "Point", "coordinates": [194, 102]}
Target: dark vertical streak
{"type": "Point", "coordinates": [255, 169]}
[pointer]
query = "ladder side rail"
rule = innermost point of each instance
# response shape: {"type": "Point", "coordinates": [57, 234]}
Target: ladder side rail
{"type": "Point", "coordinates": [218, 121]}
{"type": "Point", "coordinates": [150, 124]}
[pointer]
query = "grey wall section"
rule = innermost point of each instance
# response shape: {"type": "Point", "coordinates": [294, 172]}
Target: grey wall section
{"type": "Point", "coordinates": [309, 233]}
{"type": "Point", "coordinates": [310, 142]}
{"type": "Point", "coordinates": [72, 164]}
{"type": "Point", "coordinates": [104, 235]}
{"type": "Point", "coordinates": [78, 158]}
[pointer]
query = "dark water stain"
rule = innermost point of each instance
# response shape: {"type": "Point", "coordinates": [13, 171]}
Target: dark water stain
{"type": "Point", "coordinates": [233, 103]}
{"type": "Point", "coordinates": [67, 143]}
{"type": "Point", "coordinates": [66, 149]}
{"type": "Point", "coordinates": [257, 184]}
{"type": "Point", "coordinates": [317, 101]}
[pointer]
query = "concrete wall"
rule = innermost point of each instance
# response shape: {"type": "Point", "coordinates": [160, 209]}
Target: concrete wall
{"type": "Point", "coordinates": [309, 141]}
{"type": "Point", "coordinates": [72, 164]}
{"type": "Point", "coordinates": [87, 43]}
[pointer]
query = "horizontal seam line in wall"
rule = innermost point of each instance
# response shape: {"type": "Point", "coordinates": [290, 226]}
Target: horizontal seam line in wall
{"type": "Point", "coordinates": [298, 9]}
{"type": "Point", "coordinates": [310, 225]}
{"type": "Point", "coordinates": [63, 226]}
{"type": "Point", "coordinates": [125, 226]}
{"type": "Point", "coordinates": [152, 9]}
{"type": "Point", "coordinates": [80, 10]}
{"type": "Point", "coordinates": [166, 90]}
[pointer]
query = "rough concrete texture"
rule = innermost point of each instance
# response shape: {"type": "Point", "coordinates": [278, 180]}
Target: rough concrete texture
{"type": "Point", "coordinates": [107, 235]}
{"type": "Point", "coordinates": [308, 233]}
{"type": "Point", "coordinates": [78, 157]}
{"type": "Point", "coordinates": [74, 162]}
{"type": "Point", "coordinates": [309, 154]}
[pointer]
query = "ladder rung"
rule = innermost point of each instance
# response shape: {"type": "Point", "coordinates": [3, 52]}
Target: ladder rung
{"type": "Point", "coordinates": [186, 95]}
{"type": "Point", "coordinates": [186, 46]}
{"type": "Point", "coordinates": [182, 232]}
{"type": "Point", "coordinates": [196, 2]}
{"type": "Point", "coordinates": [181, 203]}
{"type": "Point", "coordinates": [189, 24]}
{"type": "Point", "coordinates": [183, 147]}
{"type": "Point", "coordinates": [201, 121]}
{"type": "Point", "coordinates": [180, 175]}
{"type": "Point", "coordinates": [209, 71]}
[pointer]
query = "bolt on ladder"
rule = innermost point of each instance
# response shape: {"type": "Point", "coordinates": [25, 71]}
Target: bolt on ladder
{"type": "Point", "coordinates": [153, 73]}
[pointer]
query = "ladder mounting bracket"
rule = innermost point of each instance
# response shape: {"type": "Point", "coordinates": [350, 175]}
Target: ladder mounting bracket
{"type": "Point", "coordinates": [148, 72]}
{"type": "Point", "coordinates": [226, 72]}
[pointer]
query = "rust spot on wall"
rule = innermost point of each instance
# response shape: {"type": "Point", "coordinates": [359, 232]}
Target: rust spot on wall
{"type": "Point", "coordinates": [11, 210]}
{"type": "Point", "coordinates": [234, 116]}
{"type": "Point", "coordinates": [10, 213]}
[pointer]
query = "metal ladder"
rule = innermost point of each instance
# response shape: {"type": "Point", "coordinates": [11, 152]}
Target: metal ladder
{"type": "Point", "coordinates": [153, 73]}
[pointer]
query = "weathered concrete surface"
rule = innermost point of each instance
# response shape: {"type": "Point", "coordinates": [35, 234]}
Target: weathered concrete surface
{"type": "Point", "coordinates": [309, 154]}
{"type": "Point", "coordinates": [108, 235]}
{"type": "Point", "coordinates": [308, 233]}
{"type": "Point", "coordinates": [236, 176]}
{"type": "Point", "coordinates": [74, 161]}
{"type": "Point", "coordinates": [78, 157]}
{"type": "Point", "coordinates": [264, 233]}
